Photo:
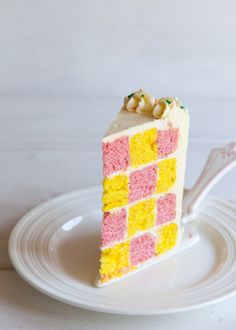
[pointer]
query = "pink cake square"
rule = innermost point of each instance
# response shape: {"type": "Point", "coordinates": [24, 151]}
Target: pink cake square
{"type": "Point", "coordinates": [142, 248]}
{"type": "Point", "coordinates": [167, 142]}
{"type": "Point", "coordinates": [166, 208]}
{"type": "Point", "coordinates": [113, 227]}
{"type": "Point", "coordinates": [115, 155]}
{"type": "Point", "coordinates": [142, 183]}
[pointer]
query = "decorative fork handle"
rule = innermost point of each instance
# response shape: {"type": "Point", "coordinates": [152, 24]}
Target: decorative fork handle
{"type": "Point", "coordinates": [219, 162]}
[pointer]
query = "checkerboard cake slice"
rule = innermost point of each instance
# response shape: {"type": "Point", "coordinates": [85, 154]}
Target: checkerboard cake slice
{"type": "Point", "coordinates": [144, 154]}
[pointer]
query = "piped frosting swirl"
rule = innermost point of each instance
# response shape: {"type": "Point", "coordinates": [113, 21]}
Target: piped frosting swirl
{"type": "Point", "coordinates": [139, 102]}
{"type": "Point", "coordinates": [143, 102]}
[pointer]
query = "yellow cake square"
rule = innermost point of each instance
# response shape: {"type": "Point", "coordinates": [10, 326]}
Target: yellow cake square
{"type": "Point", "coordinates": [166, 175]}
{"type": "Point", "coordinates": [115, 260]}
{"type": "Point", "coordinates": [143, 147]}
{"type": "Point", "coordinates": [141, 216]}
{"type": "Point", "coordinates": [115, 192]}
{"type": "Point", "coordinates": [166, 237]}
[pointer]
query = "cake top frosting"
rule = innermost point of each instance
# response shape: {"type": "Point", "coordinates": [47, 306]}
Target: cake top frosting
{"type": "Point", "coordinates": [143, 102]}
{"type": "Point", "coordinates": [141, 108]}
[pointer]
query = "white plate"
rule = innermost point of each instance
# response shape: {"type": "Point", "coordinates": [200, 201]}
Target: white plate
{"type": "Point", "coordinates": [55, 249]}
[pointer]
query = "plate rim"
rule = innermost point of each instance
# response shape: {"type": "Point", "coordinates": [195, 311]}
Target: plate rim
{"type": "Point", "coordinates": [48, 291]}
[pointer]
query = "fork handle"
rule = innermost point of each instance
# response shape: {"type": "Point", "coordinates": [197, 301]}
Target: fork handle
{"type": "Point", "coordinates": [219, 162]}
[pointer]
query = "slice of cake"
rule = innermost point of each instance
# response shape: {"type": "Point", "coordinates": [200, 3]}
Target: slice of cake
{"type": "Point", "coordinates": [144, 152]}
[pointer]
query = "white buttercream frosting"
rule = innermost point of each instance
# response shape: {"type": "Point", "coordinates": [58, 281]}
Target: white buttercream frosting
{"type": "Point", "coordinates": [143, 102]}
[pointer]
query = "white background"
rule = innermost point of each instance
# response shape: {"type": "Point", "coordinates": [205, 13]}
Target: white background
{"type": "Point", "coordinates": [73, 47]}
{"type": "Point", "coordinates": [64, 69]}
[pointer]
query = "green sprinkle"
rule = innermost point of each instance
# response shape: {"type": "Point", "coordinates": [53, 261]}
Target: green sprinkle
{"type": "Point", "coordinates": [130, 95]}
{"type": "Point", "coordinates": [168, 101]}
{"type": "Point", "coordinates": [182, 107]}
{"type": "Point", "coordinates": [142, 95]}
